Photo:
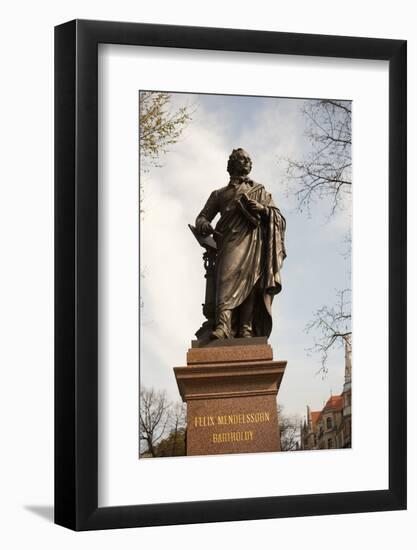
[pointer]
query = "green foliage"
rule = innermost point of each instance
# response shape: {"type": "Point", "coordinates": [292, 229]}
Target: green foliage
{"type": "Point", "coordinates": [160, 125]}
{"type": "Point", "coordinates": [173, 445]}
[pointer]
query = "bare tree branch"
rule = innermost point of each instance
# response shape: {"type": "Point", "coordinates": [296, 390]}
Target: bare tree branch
{"type": "Point", "coordinates": [326, 172]}
{"type": "Point", "coordinates": [289, 428]}
{"type": "Point", "coordinates": [332, 326]}
{"type": "Point", "coordinates": [153, 417]}
{"type": "Point", "coordinates": [161, 423]}
{"type": "Point", "coordinates": [177, 424]}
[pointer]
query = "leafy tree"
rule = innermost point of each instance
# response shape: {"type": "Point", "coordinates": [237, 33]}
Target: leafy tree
{"type": "Point", "coordinates": [173, 445]}
{"type": "Point", "coordinates": [160, 125]}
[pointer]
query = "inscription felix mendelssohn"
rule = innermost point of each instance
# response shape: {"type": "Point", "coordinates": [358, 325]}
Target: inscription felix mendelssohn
{"type": "Point", "coordinates": [225, 419]}
{"type": "Point", "coordinates": [232, 419]}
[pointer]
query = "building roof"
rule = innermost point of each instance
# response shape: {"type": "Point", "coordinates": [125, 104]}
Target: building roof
{"type": "Point", "coordinates": [314, 417]}
{"type": "Point", "coordinates": [335, 402]}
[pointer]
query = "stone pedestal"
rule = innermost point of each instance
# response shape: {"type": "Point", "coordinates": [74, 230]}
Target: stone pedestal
{"type": "Point", "coordinates": [230, 387]}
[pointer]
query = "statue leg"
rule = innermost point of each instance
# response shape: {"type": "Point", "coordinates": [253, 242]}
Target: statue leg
{"type": "Point", "coordinates": [246, 315]}
{"type": "Point", "coordinates": [223, 325]}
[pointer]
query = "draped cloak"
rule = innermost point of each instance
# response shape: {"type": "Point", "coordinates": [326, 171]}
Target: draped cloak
{"type": "Point", "coordinates": [249, 255]}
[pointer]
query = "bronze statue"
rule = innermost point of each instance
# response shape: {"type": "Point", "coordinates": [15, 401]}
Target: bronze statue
{"type": "Point", "coordinates": [243, 257]}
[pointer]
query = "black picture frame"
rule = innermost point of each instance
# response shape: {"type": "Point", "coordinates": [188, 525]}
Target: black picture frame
{"type": "Point", "coordinates": [76, 272]}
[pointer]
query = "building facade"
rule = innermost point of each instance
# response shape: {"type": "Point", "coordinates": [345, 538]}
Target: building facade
{"type": "Point", "coordinates": [331, 428]}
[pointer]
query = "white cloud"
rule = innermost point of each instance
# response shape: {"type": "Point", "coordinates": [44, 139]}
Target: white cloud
{"type": "Point", "coordinates": [173, 283]}
{"type": "Point", "coordinates": [171, 260]}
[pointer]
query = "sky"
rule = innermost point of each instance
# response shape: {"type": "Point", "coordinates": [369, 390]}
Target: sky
{"type": "Point", "coordinates": [172, 274]}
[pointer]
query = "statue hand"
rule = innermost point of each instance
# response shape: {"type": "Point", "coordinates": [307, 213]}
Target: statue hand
{"type": "Point", "coordinates": [206, 229]}
{"type": "Point", "coordinates": [255, 207]}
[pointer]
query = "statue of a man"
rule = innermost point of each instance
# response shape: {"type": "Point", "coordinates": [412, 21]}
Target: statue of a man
{"type": "Point", "coordinates": [250, 251]}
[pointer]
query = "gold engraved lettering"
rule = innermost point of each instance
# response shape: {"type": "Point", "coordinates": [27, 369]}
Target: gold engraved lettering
{"type": "Point", "coordinates": [243, 418]}
{"type": "Point", "coordinates": [204, 421]}
{"type": "Point", "coordinates": [232, 419]}
{"type": "Point", "coordinates": [232, 437]}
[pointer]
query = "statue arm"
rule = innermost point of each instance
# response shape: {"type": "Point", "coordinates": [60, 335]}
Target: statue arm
{"type": "Point", "coordinates": [211, 208]}
{"type": "Point", "coordinates": [259, 207]}
{"type": "Point", "coordinates": [269, 204]}
{"type": "Point", "coordinates": [256, 207]}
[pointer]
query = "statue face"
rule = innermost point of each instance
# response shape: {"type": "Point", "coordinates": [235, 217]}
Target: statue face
{"type": "Point", "coordinates": [239, 163]}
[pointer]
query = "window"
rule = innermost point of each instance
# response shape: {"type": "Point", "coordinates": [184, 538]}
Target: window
{"type": "Point", "coordinates": [330, 443]}
{"type": "Point", "coordinates": [329, 423]}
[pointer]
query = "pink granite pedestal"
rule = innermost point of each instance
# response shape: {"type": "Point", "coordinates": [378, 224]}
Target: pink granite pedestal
{"type": "Point", "coordinates": [231, 392]}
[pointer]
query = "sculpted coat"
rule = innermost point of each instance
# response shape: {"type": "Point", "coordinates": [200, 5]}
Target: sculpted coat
{"type": "Point", "coordinates": [250, 252]}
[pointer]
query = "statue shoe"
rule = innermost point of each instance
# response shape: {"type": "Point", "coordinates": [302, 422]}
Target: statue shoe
{"type": "Point", "coordinates": [245, 332]}
{"type": "Point", "coordinates": [218, 334]}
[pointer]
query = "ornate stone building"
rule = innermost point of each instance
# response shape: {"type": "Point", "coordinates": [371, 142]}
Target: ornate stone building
{"type": "Point", "coordinates": [331, 427]}
{"type": "Point", "coordinates": [345, 430]}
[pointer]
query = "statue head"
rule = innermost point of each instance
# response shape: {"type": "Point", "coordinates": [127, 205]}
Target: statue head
{"type": "Point", "coordinates": [239, 163]}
